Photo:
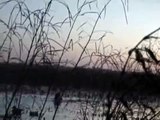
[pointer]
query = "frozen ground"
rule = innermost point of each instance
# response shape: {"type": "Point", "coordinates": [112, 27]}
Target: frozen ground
{"type": "Point", "coordinates": [74, 108]}
{"type": "Point", "coordinates": [70, 109]}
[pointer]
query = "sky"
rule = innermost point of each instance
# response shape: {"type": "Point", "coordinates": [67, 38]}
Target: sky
{"type": "Point", "coordinates": [142, 15]}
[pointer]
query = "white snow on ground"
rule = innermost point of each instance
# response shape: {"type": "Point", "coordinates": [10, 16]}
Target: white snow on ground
{"type": "Point", "coordinates": [68, 110]}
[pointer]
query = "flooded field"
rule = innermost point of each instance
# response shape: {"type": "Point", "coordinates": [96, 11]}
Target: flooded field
{"type": "Point", "coordinates": [67, 110]}
{"type": "Point", "coordinates": [83, 108]}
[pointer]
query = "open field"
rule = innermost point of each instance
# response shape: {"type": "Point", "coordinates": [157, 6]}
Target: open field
{"type": "Point", "coordinates": [84, 107]}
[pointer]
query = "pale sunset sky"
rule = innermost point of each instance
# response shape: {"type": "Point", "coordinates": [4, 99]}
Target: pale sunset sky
{"type": "Point", "coordinates": [143, 17]}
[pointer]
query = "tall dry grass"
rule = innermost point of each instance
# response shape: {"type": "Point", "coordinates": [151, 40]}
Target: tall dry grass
{"type": "Point", "coordinates": [32, 37]}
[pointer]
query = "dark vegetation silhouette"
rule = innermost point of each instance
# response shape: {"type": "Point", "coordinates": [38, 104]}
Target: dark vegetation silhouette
{"type": "Point", "coordinates": [95, 79]}
{"type": "Point", "coordinates": [124, 91]}
{"type": "Point", "coordinates": [16, 112]}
